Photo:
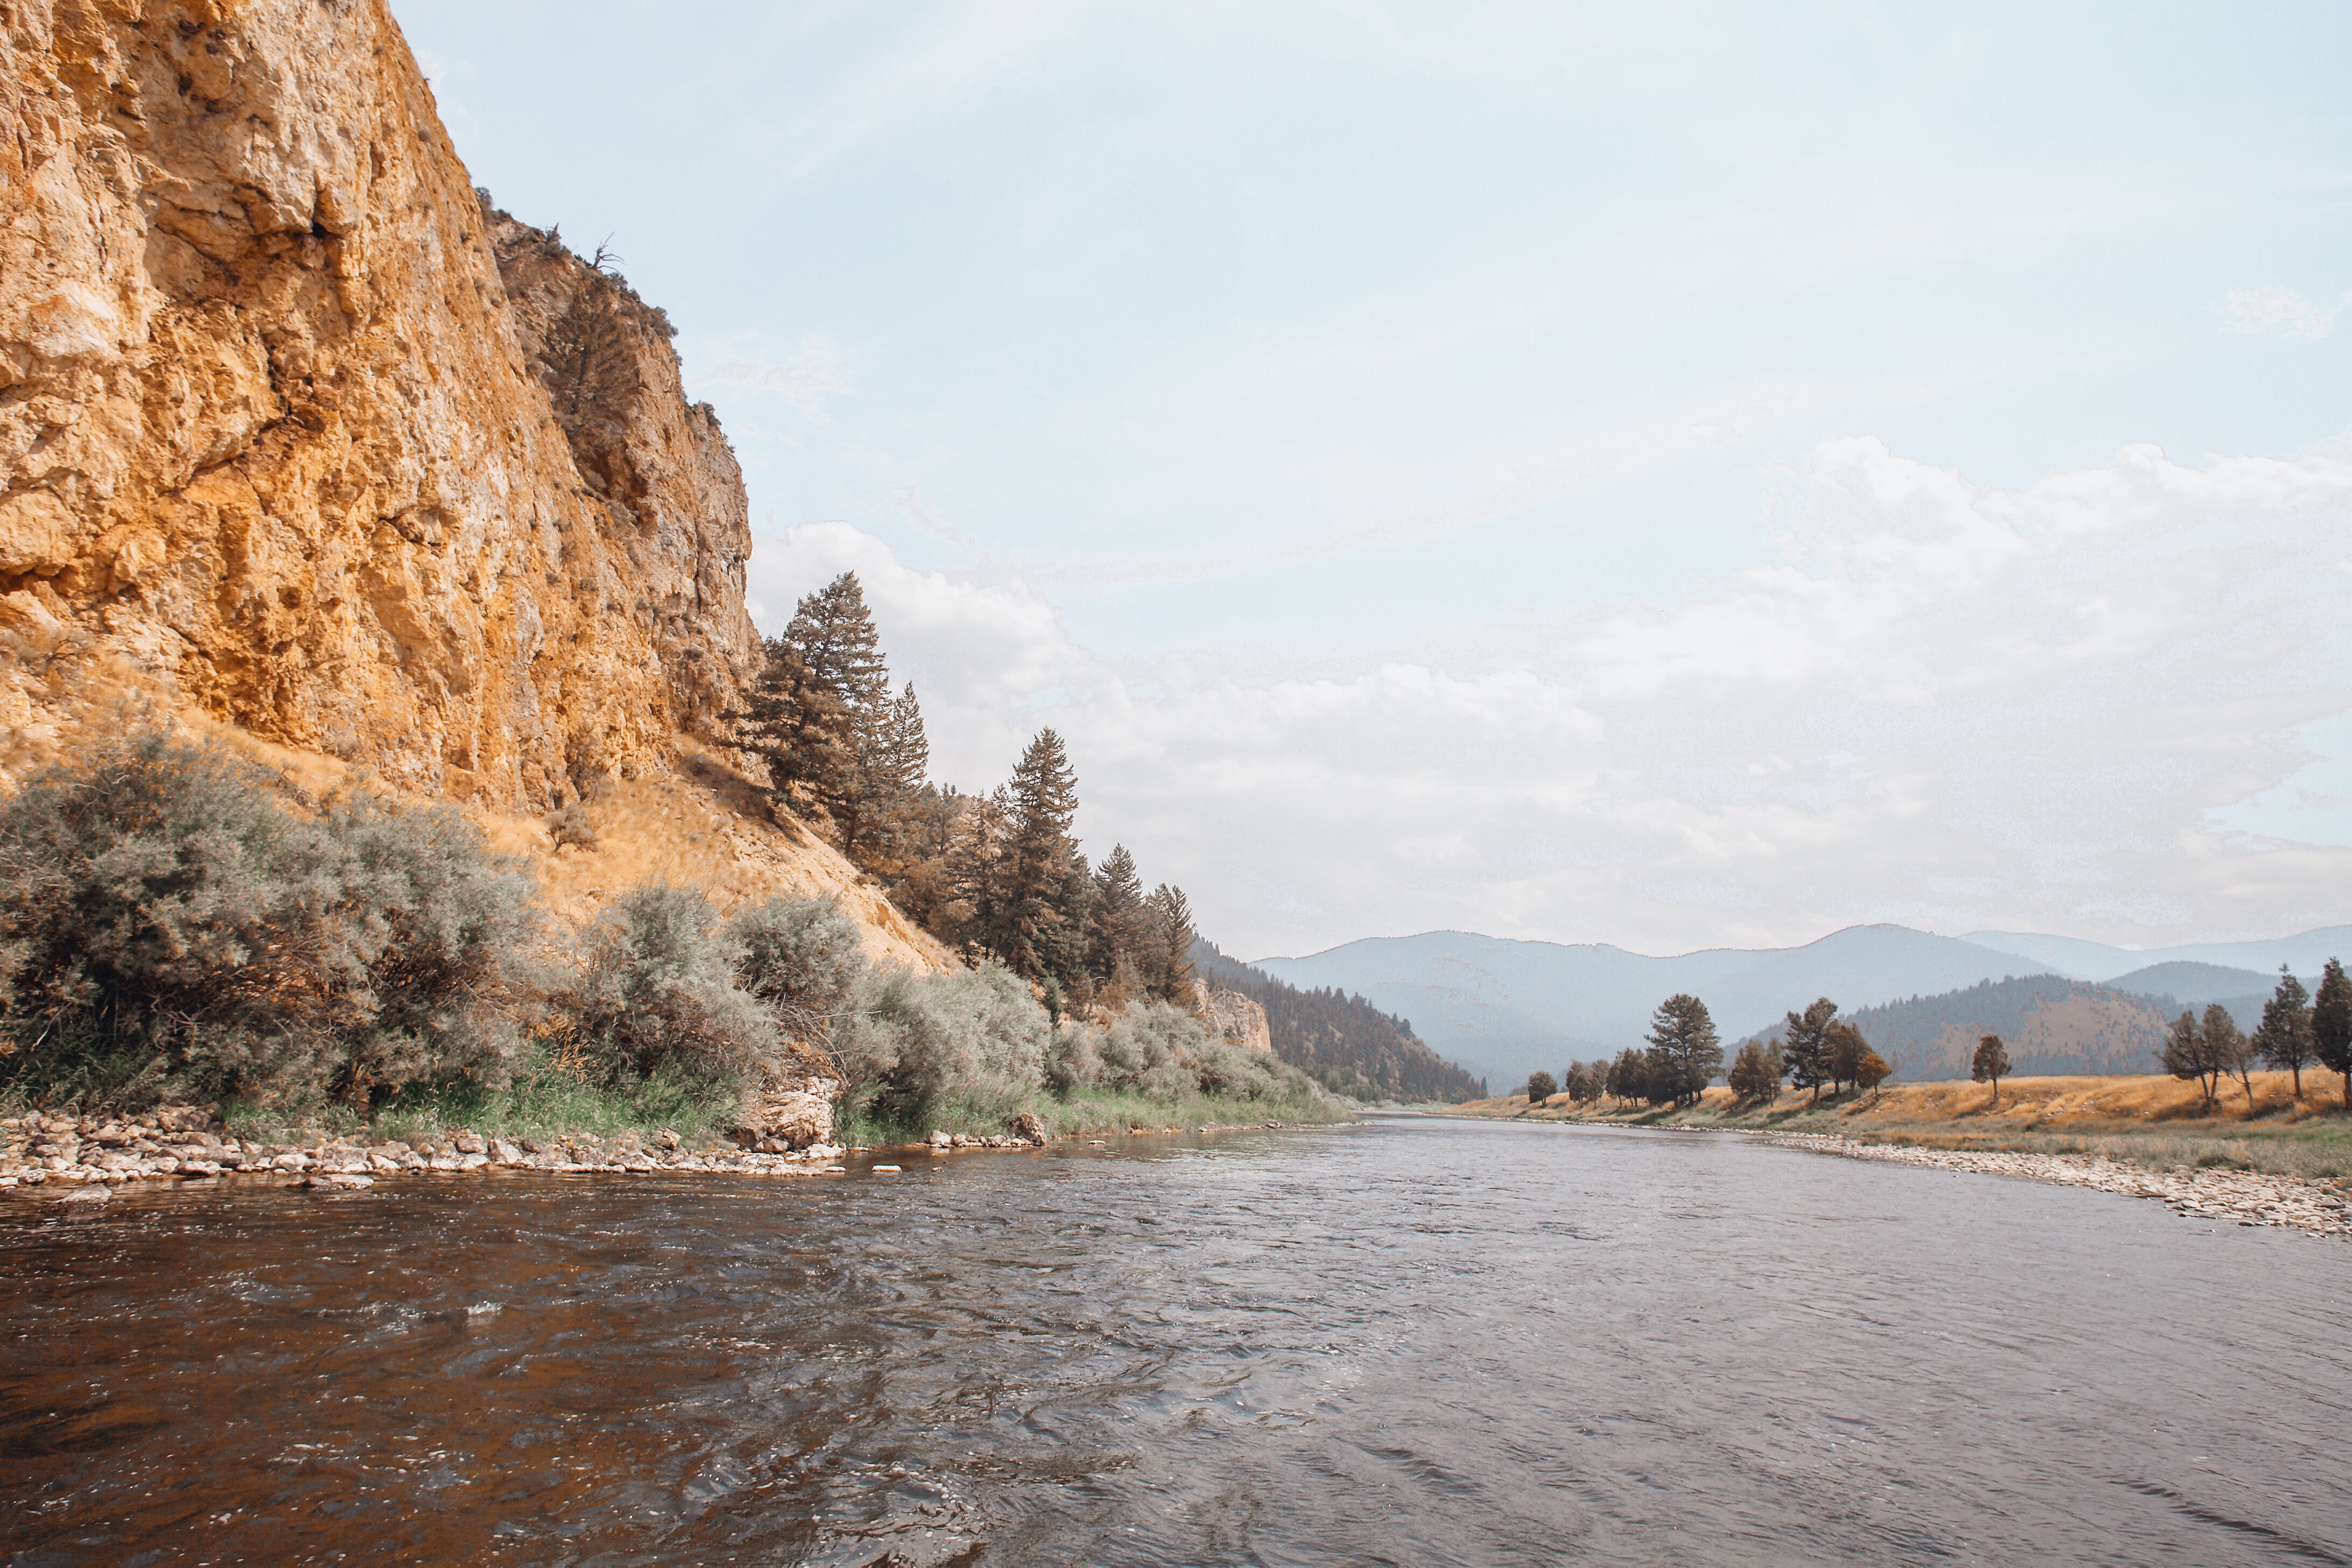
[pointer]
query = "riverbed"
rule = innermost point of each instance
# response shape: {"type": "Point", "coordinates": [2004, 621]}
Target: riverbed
{"type": "Point", "coordinates": [1408, 1341]}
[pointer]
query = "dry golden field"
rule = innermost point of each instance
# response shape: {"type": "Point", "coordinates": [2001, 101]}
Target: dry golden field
{"type": "Point", "coordinates": [2151, 1119]}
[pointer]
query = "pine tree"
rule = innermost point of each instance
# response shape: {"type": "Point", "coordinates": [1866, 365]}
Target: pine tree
{"type": "Point", "coordinates": [1756, 1075]}
{"type": "Point", "coordinates": [820, 712]}
{"type": "Point", "coordinates": [1114, 928]}
{"type": "Point", "coordinates": [1629, 1075]}
{"type": "Point", "coordinates": [1991, 1061]}
{"type": "Point", "coordinates": [894, 780]}
{"type": "Point", "coordinates": [1847, 1048]}
{"type": "Point", "coordinates": [1872, 1070]}
{"type": "Point", "coordinates": [1687, 1053]}
{"type": "Point", "coordinates": [1034, 933]}
{"type": "Point", "coordinates": [2331, 1025]}
{"type": "Point", "coordinates": [978, 871]}
{"type": "Point", "coordinates": [2230, 1048]}
{"type": "Point", "coordinates": [2283, 1036]}
{"type": "Point", "coordinates": [2186, 1057]}
{"type": "Point", "coordinates": [1168, 962]}
{"type": "Point", "coordinates": [1806, 1048]}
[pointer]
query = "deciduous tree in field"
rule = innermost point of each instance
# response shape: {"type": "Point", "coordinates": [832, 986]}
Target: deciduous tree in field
{"type": "Point", "coordinates": [2186, 1057]}
{"type": "Point", "coordinates": [1805, 1046]}
{"type": "Point", "coordinates": [1540, 1088]}
{"type": "Point", "coordinates": [1756, 1074]}
{"type": "Point", "coordinates": [2283, 1036]}
{"type": "Point", "coordinates": [2229, 1047]}
{"type": "Point", "coordinates": [1846, 1049]}
{"type": "Point", "coordinates": [1629, 1075]}
{"type": "Point", "coordinates": [1685, 1051]}
{"type": "Point", "coordinates": [1990, 1062]}
{"type": "Point", "coordinates": [1871, 1070]}
{"type": "Point", "coordinates": [2331, 1025]}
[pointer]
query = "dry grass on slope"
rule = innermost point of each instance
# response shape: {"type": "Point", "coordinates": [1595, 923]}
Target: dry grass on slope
{"type": "Point", "coordinates": [705, 826]}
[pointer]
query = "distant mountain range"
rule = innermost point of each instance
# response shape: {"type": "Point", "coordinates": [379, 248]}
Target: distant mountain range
{"type": "Point", "coordinates": [1505, 1008]}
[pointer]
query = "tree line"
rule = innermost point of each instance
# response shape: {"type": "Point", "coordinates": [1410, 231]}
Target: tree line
{"type": "Point", "coordinates": [997, 874]}
{"type": "Point", "coordinates": [2299, 1030]}
{"type": "Point", "coordinates": [1815, 1047]}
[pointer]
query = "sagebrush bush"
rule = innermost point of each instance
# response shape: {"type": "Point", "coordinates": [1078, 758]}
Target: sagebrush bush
{"type": "Point", "coordinates": [168, 927]}
{"type": "Point", "coordinates": [803, 958]}
{"type": "Point", "coordinates": [656, 988]}
{"type": "Point", "coordinates": [914, 1037]}
{"type": "Point", "coordinates": [174, 926]}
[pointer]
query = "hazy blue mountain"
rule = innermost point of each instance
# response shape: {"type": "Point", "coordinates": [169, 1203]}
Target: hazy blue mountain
{"type": "Point", "coordinates": [2079, 959]}
{"type": "Point", "coordinates": [2188, 983]}
{"type": "Point", "coordinates": [1505, 1009]}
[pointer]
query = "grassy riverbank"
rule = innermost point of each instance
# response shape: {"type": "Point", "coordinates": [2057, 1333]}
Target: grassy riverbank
{"type": "Point", "coordinates": [2156, 1121]}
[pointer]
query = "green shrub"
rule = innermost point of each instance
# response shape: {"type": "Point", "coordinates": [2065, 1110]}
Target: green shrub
{"type": "Point", "coordinates": [168, 928]}
{"type": "Point", "coordinates": [803, 958]}
{"type": "Point", "coordinates": [657, 989]}
{"type": "Point", "coordinates": [915, 1037]}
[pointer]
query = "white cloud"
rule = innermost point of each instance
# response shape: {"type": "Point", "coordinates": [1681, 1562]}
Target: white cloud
{"type": "Point", "coordinates": [1945, 704]}
{"type": "Point", "coordinates": [2259, 312]}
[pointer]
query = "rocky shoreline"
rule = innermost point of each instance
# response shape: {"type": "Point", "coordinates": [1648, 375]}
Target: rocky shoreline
{"type": "Point", "coordinates": [87, 1158]}
{"type": "Point", "coordinates": [2242, 1197]}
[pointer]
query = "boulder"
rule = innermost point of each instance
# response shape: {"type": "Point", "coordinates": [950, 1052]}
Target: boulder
{"type": "Point", "coordinates": [505, 1154]}
{"type": "Point", "coordinates": [942, 1138]}
{"type": "Point", "coordinates": [1028, 1128]}
{"type": "Point", "coordinates": [795, 1115]}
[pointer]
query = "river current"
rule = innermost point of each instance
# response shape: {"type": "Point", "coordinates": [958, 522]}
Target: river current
{"type": "Point", "coordinates": [1408, 1342]}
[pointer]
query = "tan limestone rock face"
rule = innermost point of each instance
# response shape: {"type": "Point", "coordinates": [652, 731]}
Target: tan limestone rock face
{"type": "Point", "coordinates": [794, 1114]}
{"type": "Point", "coordinates": [1238, 1020]}
{"type": "Point", "coordinates": [275, 437]}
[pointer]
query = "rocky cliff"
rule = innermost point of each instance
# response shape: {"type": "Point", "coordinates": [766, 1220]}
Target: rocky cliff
{"type": "Point", "coordinates": [299, 432]}
{"type": "Point", "coordinates": [1237, 1019]}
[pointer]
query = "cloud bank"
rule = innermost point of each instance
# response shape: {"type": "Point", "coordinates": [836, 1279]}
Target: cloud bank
{"type": "Point", "coordinates": [2104, 705]}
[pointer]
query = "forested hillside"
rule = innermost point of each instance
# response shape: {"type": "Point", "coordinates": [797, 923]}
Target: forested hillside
{"type": "Point", "coordinates": [1343, 1042]}
{"type": "Point", "coordinates": [995, 876]}
{"type": "Point", "coordinates": [2052, 1025]}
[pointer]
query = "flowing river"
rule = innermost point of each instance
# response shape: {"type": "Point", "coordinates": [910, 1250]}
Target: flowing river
{"type": "Point", "coordinates": [1408, 1341]}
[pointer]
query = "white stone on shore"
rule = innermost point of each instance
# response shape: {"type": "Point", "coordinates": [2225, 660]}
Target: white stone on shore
{"type": "Point", "coordinates": [2247, 1197]}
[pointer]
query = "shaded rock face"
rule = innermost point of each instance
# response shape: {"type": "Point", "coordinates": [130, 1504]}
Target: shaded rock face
{"type": "Point", "coordinates": [275, 435]}
{"type": "Point", "coordinates": [1238, 1020]}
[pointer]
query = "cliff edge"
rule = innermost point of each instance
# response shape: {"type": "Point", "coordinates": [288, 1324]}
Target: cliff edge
{"type": "Point", "coordinates": [281, 439]}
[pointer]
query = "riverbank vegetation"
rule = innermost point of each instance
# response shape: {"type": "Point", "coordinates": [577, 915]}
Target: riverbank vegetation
{"type": "Point", "coordinates": [177, 925]}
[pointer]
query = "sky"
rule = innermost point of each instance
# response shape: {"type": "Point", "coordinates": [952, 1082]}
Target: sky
{"type": "Point", "coordinates": [1668, 476]}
